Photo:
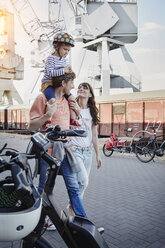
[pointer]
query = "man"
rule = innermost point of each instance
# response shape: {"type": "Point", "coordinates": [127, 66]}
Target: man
{"type": "Point", "coordinates": [40, 112]}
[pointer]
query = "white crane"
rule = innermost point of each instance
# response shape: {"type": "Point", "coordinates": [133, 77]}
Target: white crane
{"type": "Point", "coordinates": [40, 33]}
{"type": "Point", "coordinates": [103, 25]}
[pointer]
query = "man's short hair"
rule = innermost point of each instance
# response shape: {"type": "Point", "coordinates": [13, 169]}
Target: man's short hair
{"type": "Point", "coordinates": [66, 77]}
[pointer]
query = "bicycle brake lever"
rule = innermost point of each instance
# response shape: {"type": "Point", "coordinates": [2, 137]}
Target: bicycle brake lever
{"type": "Point", "coordinates": [3, 148]}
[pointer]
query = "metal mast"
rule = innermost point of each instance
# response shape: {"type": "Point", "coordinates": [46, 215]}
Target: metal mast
{"type": "Point", "coordinates": [38, 32]}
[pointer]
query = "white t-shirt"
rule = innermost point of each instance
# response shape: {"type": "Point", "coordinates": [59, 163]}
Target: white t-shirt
{"type": "Point", "coordinates": [86, 124]}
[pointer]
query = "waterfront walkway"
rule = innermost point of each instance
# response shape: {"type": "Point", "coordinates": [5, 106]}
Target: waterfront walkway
{"type": "Point", "coordinates": [125, 196]}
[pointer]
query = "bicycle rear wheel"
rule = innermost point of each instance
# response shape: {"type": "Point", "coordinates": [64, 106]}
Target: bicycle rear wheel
{"type": "Point", "coordinates": [107, 152]}
{"type": "Point", "coordinates": [145, 149]}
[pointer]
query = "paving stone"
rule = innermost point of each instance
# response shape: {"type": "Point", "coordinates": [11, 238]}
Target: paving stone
{"type": "Point", "coordinates": [125, 196]}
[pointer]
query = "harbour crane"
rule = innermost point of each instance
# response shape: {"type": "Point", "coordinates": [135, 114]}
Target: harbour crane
{"type": "Point", "coordinates": [100, 26]}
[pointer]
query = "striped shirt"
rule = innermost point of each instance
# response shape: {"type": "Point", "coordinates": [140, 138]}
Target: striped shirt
{"type": "Point", "coordinates": [53, 68]}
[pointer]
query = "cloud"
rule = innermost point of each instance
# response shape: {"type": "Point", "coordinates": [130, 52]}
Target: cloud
{"type": "Point", "coordinates": [153, 81]}
{"type": "Point", "coordinates": [149, 28]}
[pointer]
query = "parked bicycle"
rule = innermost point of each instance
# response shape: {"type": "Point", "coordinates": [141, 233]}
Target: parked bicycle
{"type": "Point", "coordinates": [113, 144]}
{"type": "Point", "coordinates": [147, 147]}
{"type": "Point", "coordinates": [77, 232]}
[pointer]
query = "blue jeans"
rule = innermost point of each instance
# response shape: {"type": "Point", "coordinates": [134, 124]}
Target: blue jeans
{"type": "Point", "coordinates": [84, 158]}
{"type": "Point", "coordinates": [71, 183]}
{"type": "Point", "coordinates": [43, 175]}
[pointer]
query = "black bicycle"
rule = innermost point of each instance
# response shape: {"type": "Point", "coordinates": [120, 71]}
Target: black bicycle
{"type": "Point", "coordinates": [147, 147]}
{"type": "Point", "coordinates": [76, 231]}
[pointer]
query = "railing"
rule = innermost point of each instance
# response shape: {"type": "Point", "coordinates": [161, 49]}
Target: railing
{"type": "Point", "coordinates": [123, 1]}
{"type": "Point", "coordinates": [119, 1]}
{"type": "Point", "coordinates": [136, 82]}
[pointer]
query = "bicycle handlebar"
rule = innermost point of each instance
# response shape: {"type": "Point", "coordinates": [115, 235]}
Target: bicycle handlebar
{"type": "Point", "coordinates": [153, 128]}
{"type": "Point", "coordinates": [54, 133]}
{"type": "Point", "coordinates": [42, 142]}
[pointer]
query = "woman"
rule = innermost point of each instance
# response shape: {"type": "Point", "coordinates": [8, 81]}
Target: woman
{"type": "Point", "coordinates": [83, 145]}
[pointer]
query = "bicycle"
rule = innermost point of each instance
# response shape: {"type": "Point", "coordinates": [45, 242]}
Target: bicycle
{"type": "Point", "coordinates": [77, 232]}
{"type": "Point", "coordinates": [147, 148]}
{"type": "Point", "coordinates": [115, 145]}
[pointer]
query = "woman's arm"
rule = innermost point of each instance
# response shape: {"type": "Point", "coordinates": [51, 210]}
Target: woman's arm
{"type": "Point", "coordinates": [95, 142]}
{"type": "Point", "coordinates": [73, 105]}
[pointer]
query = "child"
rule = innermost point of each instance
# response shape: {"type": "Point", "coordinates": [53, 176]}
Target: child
{"type": "Point", "coordinates": [56, 66]}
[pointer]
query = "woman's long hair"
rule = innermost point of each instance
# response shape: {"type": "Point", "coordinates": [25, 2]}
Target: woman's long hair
{"type": "Point", "coordinates": [91, 104]}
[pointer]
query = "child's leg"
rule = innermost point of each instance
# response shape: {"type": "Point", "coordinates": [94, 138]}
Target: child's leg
{"type": "Point", "coordinates": [50, 95]}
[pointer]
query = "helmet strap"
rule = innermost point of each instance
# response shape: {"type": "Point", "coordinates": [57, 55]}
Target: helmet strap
{"type": "Point", "coordinates": [57, 49]}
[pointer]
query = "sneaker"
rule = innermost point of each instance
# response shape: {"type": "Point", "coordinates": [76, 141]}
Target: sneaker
{"type": "Point", "coordinates": [49, 225]}
{"type": "Point", "coordinates": [74, 123]}
{"type": "Point", "coordinates": [101, 230]}
{"type": "Point", "coordinates": [70, 210]}
{"type": "Point", "coordinates": [46, 125]}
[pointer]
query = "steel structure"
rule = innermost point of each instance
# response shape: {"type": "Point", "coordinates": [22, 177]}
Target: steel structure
{"type": "Point", "coordinates": [98, 26]}
{"type": "Point", "coordinates": [40, 33]}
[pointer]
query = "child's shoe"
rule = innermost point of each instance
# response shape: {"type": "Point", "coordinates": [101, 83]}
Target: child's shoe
{"type": "Point", "coordinates": [74, 123]}
{"type": "Point", "coordinates": [49, 225]}
{"type": "Point", "coordinates": [46, 125]}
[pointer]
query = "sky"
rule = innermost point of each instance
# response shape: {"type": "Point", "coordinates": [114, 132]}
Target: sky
{"type": "Point", "coordinates": [148, 52]}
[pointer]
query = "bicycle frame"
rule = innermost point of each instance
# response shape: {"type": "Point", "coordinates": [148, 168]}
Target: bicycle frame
{"type": "Point", "coordinates": [50, 208]}
{"type": "Point", "coordinates": [155, 139]}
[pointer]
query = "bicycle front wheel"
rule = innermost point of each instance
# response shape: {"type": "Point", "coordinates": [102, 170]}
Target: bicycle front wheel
{"type": "Point", "coordinates": [145, 149]}
{"type": "Point", "coordinates": [34, 163]}
{"type": "Point", "coordinates": [40, 243]}
{"type": "Point", "coordinates": [107, 152]}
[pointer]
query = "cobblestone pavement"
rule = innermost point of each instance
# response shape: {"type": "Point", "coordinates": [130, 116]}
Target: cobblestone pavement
{"type": "Point", "coordinates": [125, 196]}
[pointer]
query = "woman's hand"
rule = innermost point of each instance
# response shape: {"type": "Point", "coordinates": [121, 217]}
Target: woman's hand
{"type": "Point", "coordinates": [74, 106]}
{"type": "Point", "coordinates": [99, 162]}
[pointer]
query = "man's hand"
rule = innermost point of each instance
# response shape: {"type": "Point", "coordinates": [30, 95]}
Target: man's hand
{"type": "Point", "coordinates": [51, 109]}
{"type": "Point", "coordinates": [68, 69]}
